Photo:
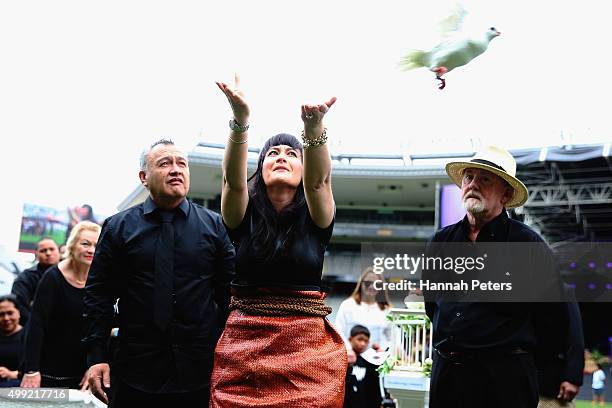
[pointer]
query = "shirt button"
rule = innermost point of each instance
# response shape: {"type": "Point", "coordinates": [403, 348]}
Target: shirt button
{"type": "Point", "coordinates": [458, 314]}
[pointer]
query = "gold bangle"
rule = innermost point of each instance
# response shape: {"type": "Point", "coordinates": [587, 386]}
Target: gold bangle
{"type": "Point", "coordinates": [316, 142]}
{"type": "Point", "coordinates": [237, 142]}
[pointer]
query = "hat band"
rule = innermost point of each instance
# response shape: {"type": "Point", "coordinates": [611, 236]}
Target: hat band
{"type": "Point", "coordinates": [488, 163]}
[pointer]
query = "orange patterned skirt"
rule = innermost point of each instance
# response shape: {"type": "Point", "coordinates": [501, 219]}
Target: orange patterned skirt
{"type": "Point", "coordinates": [278, 361]}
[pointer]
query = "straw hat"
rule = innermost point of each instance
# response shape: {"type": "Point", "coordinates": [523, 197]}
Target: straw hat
{"type": "Point", "coordinates": [498, 161]}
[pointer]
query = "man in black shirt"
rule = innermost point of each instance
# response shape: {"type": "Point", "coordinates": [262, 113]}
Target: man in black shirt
{"type": "Point", "coordinates": [24, 286]}
{"type": "Point", "coordinates": [560, 374]}
{"type": "Point", "coordinates": [169, 262]}
{"type": "Point", "coordinates": [484, 349]}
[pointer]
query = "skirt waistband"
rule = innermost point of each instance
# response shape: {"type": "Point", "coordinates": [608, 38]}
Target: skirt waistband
{"type": "Point", "coordinates": [280, 305]}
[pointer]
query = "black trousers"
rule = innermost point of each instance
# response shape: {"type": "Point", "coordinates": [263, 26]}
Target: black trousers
{"type": "Point", "coordinates": [124, 396]}
{"type": "Point", "coordinates": [65, 382]}
{"type": "Point", "coordinates": [483, 381]}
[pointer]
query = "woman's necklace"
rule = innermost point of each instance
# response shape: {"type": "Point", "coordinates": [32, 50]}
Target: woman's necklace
{"type": "Point", "coordinates": [74, 273]}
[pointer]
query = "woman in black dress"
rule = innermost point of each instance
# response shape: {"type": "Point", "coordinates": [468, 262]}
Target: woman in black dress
{"type": "Point", "coordinates": [11, 341]}
{"type": "Point", "coordinates": [278, 349]}
{"type": "Point", "coordinates": [54, 356]}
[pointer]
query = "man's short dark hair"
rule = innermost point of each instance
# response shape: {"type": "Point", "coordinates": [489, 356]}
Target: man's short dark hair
{"type": "Point", "coordinates": [45, 238]}
{"type": "Point", "coordinates": [359, 329]}
{"type": "Point", "coordinates": [144, 156]}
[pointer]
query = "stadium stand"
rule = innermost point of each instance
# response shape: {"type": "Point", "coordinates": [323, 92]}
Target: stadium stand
{"type": "Point", "coordinates": [394, 197]}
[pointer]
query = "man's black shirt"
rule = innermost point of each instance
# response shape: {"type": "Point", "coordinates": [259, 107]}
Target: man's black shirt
{"type": "Point", "coordinates": [179, 359]}
{"type": "Point", "coordinates": [489, 326]}
{"type": "Point", "coordinates": [567, 362]}
{"type": "Point", "coordinates": [24, 288]}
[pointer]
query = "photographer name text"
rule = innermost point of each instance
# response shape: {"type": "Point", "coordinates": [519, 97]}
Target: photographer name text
{"type": "Point", "coordinates": [462, 285]}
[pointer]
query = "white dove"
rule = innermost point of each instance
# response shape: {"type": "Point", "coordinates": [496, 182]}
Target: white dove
{"type": "Point", "coordinates": [452, 53]}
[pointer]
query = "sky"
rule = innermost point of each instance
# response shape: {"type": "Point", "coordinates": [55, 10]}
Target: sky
{"type": "Point", "coordinates": [85, 86]}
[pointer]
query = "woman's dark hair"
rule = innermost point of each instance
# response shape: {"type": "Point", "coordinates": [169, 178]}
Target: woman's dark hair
{"type": "Point", "coordinates": [90, 213]}
{"type": "Point", "coordinates": [9, 298]}
{"type": "Point", "coordinates": [273, 232]}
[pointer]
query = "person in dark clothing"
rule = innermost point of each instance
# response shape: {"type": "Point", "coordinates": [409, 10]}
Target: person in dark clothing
{"type": "Point", "coordinates": [54, 356]}
{"type": "Point", "coordinates": [560, 374]}
{"type": "Point", "coordinates": [11, 342]}
{"type": "Point", "coordinates": [362, 383]}
{"type": "Point", "coordinates": [169, 262]}
{"type": "Point", "coordinates": [25, 284]}
{"type": "Point", "coordinates": [484, 349]}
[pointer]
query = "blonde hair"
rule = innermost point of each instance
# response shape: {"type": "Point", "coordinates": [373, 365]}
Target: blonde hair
{"type": "Point", "coordinates": [74, 236]}
{"type": "Point", "coordinates": [382, 297]}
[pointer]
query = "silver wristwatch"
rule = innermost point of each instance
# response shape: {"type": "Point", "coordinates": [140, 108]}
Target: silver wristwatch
{"type": "Point", "coordinates": [237, 127]}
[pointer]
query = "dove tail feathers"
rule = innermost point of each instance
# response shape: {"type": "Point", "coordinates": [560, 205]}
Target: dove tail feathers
{"type": "Point", "coordinates": [414, 59]}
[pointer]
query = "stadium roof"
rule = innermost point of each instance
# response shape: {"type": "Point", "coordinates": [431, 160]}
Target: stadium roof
{"type": "Point", "coordinates": [570, 192]}
{"type": "Point", "coordinates": [570, 187]}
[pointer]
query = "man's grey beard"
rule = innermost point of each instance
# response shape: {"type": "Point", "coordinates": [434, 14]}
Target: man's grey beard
{"type": "Point", "coordinates": [473, 207]}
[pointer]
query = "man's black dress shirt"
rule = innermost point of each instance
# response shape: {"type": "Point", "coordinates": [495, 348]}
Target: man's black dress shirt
{"type": "Point", "coordinates": [567, 362]}
{"type": "Point", "coordinates": [179, 359]}
{"type": "Point", "coordinates": [489, 326]}
{"type": "Point", "coordinates": [24, 288]}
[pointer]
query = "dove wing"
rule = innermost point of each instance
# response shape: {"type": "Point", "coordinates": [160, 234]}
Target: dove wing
{"type": "Point", "coordinates": [453, 22]}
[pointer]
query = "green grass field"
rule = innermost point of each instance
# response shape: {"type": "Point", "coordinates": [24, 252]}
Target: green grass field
{"type": "Point", "coordinates": [587, 404]}
{"type": "Point", "coordinates": [28, 241]}
{"type": "Point", "coordinates": [58, 236]}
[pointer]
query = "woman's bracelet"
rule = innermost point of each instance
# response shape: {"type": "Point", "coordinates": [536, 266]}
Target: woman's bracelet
{"type": "Point", "coordinates": [316, 142]}
{"type": "Point", "coordinates": [238, 141]}
{"type": "Point", "coordinates": [236, 127]}
{"type": "Point", "coordinates": [31, 374]}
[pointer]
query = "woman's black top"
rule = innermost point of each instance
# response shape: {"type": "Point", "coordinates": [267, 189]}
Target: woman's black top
{"type": "Point", "coordinates": [297, 266]}
{"type": "Point", "coordinates": [11, 350]}
{"type": "Point", "coordinates": [53, 340]}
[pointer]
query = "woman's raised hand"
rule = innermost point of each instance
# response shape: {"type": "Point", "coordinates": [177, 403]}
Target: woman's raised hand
{"type": "Point", "coordinates": [312, 115]}
{"type": "Point", "coordinates": [235, 96]}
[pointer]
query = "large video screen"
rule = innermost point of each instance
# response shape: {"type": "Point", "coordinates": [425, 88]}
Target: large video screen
{"type": "Point", "coordinates": [56, 223]}
{"type": "Point", "coordinates": [451, 208]}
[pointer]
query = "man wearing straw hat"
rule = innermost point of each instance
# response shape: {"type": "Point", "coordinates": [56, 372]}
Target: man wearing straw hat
{"type": "Point", "coordinates": [484, 349]}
